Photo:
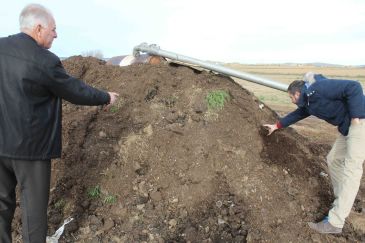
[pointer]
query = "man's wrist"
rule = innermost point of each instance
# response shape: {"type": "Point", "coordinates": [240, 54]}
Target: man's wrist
{"type": "Point", "coordinates": [278, 125]}
{"type": "Point", "coordinates": [355, 120]}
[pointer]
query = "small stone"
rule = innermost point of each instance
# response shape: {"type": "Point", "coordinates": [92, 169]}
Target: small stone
{"type": "Point", "coordinates": [207, 229]}
{"type": "Point", "coordinates": [174, 200]}
{"type": "Point", "coordinates": [172, 223]}
{"type": "Point", "coordinates": [140, 206]}
{"type": "Point", "coordinates": [142, 188]}
{"type": "Point", "coordinates": [183, 213]}
{"type": "Point", "coordinates": [275, 169]}
{"type": "Point", "coordinates": [85, 231]}
{"type": "Point", "coordinates": [219, 203]}
{"type": "Point", "coordinates": [95, 220]}
{"type": "Point", "coordinates": [148, 130]}
{"type": "Point", "coordinates": [137, 166]}
{"type": "Point", "coordinates": [221, 221]}
{"type": "Point", "coordinates": [102, 134]}
{"type": "Point", "coordinates": [151, 237]}
{"type": "Point", "coordinates": [156, 196]}
{"type": "Point", "coordinates": [108, 224]}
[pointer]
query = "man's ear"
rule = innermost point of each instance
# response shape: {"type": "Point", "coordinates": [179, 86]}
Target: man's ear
{"type": "Point", "coordinates": [38, 28]}
{"type": "Point", "coordinates": [297, 93]}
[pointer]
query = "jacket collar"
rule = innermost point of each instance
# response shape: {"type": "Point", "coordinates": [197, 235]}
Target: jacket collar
{"type": "Point", "coordinates": [26, 36]}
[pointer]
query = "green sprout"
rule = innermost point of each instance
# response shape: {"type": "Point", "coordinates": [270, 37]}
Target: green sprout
{"type": "Point", "coordinates": [94, 192]}
{"type": "Point", "coordinates": [216, 99]}
{"type": "Point", "coordinates": [114, 109]}
{"type": "Point", "coordinates": [110, 199]}
{"type": "Point", "coordinates": [60, 204]}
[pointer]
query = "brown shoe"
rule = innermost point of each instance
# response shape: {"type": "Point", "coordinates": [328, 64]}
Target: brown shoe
{"type": "Point", "coordinates": [324, 227]}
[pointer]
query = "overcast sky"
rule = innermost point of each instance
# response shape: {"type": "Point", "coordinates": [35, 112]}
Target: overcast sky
{"type": "Point", "coordinates": [257, 31]}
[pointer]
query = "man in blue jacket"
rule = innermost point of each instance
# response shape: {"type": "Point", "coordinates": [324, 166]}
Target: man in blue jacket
{"type": "Point", "coordinates": [33, 83]}
{"type": "Point", "coordinates": [342, 104]}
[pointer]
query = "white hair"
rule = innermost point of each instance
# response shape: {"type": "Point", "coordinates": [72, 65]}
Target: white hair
{"type": "Point", "coordinates": [309, 78]}
{"type": "Point", "coordinates": [33, 15]}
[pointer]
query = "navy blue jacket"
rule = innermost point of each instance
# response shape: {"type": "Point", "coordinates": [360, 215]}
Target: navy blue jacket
{"type": "Point", "coordinates": [33, 83]}
{"type": "Point", "coordinates": [333, 100]}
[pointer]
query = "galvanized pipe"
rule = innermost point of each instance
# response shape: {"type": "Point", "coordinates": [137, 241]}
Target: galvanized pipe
{"type": "Point", "coordinates": [155, 50]}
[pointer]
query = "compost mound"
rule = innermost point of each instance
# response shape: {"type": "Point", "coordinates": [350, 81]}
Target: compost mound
{"type": "Point", "coordinates": [164, 165]}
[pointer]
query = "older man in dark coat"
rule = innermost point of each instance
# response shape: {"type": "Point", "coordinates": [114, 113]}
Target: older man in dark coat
{"type": "Point", "coordinates": [33, 83]}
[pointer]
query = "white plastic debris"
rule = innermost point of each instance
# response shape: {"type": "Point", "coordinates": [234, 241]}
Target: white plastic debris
{"type": "Point", "coordinates": [261, 106]}
{"type": "Point", "coordinates": [323, 174]}
{"type": "Point", "coordinates": [54, 238]}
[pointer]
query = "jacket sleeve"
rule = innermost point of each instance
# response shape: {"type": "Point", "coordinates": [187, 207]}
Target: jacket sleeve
{"type": "Point", "coordinates": [74, 90]}
{"type": "Point", "coordinates": [293, 117]}
{"type": "Point", "coordinates": [349, 91]}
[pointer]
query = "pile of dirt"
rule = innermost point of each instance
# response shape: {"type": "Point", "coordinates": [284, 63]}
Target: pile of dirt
{"type": "Point", "coordinates": [163, 166]}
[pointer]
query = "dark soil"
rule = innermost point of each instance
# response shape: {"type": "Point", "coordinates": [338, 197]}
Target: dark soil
{"type": "Point", "coordinates": [170, 169]}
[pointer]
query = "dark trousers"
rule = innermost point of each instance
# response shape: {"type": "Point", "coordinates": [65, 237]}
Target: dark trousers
{"type": "Point", "coordinates": [33, 178]}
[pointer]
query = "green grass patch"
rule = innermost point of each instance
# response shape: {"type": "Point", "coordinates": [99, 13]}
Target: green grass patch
{"type": "Point", "coordinates": [60, 204]}
{"type": "Point", "coordinates": [114, 109]}
{"type": "Point", "coordinates": [216, 99]}
{"type": "Point", "coordinates": [94, 192]}
{"type": "Point", "coordinates": [110, 199]}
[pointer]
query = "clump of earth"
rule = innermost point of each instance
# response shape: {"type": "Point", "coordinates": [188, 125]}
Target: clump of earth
{"type": "Point", "coordinates": [165, 165]}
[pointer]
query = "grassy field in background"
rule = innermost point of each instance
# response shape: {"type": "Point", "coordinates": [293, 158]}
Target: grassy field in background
{"type": "Point", "coordinates": [279, 101]}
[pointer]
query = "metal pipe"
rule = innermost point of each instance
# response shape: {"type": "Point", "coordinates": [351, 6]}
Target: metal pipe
{"type": "Point", "coordinates": [155, 50]}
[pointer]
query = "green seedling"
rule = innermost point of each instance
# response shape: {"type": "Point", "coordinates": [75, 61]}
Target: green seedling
{"type": "Point", "coordinates": [216, 99]}
{"type": "Point", "coordinates": [110, 199]}
{"type": "Point", "coordinates": [94, 192]}
{"type": "Point", "coordinates": [116, 106]}
{"type": "Point", "coordinates": [113, 109]}
{"type": "Point", "coordinates": [60, 204]}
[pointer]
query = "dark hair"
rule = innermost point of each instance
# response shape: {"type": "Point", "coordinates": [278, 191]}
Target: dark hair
{"type": "Point", "coordinates": [295, 86]}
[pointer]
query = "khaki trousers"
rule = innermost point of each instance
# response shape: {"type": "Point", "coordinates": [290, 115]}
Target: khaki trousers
{"type": "Point", "coordinates": [345, 162]}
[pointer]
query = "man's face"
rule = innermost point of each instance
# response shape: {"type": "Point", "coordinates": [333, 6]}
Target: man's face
{"type": "Point", "coordinates": [294, 97]}
{"type": "Point", "coordinates": [46, 34]}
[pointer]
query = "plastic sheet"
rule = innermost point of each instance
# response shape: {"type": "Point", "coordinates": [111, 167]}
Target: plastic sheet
{"type": "Point", "coordinates": [54, 238]}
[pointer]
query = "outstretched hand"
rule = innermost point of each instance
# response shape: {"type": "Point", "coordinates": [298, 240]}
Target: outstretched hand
{"type": "Point", "coordinates": [113, 98]}
{"type": "Point", "coordinates": [270, 127]}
